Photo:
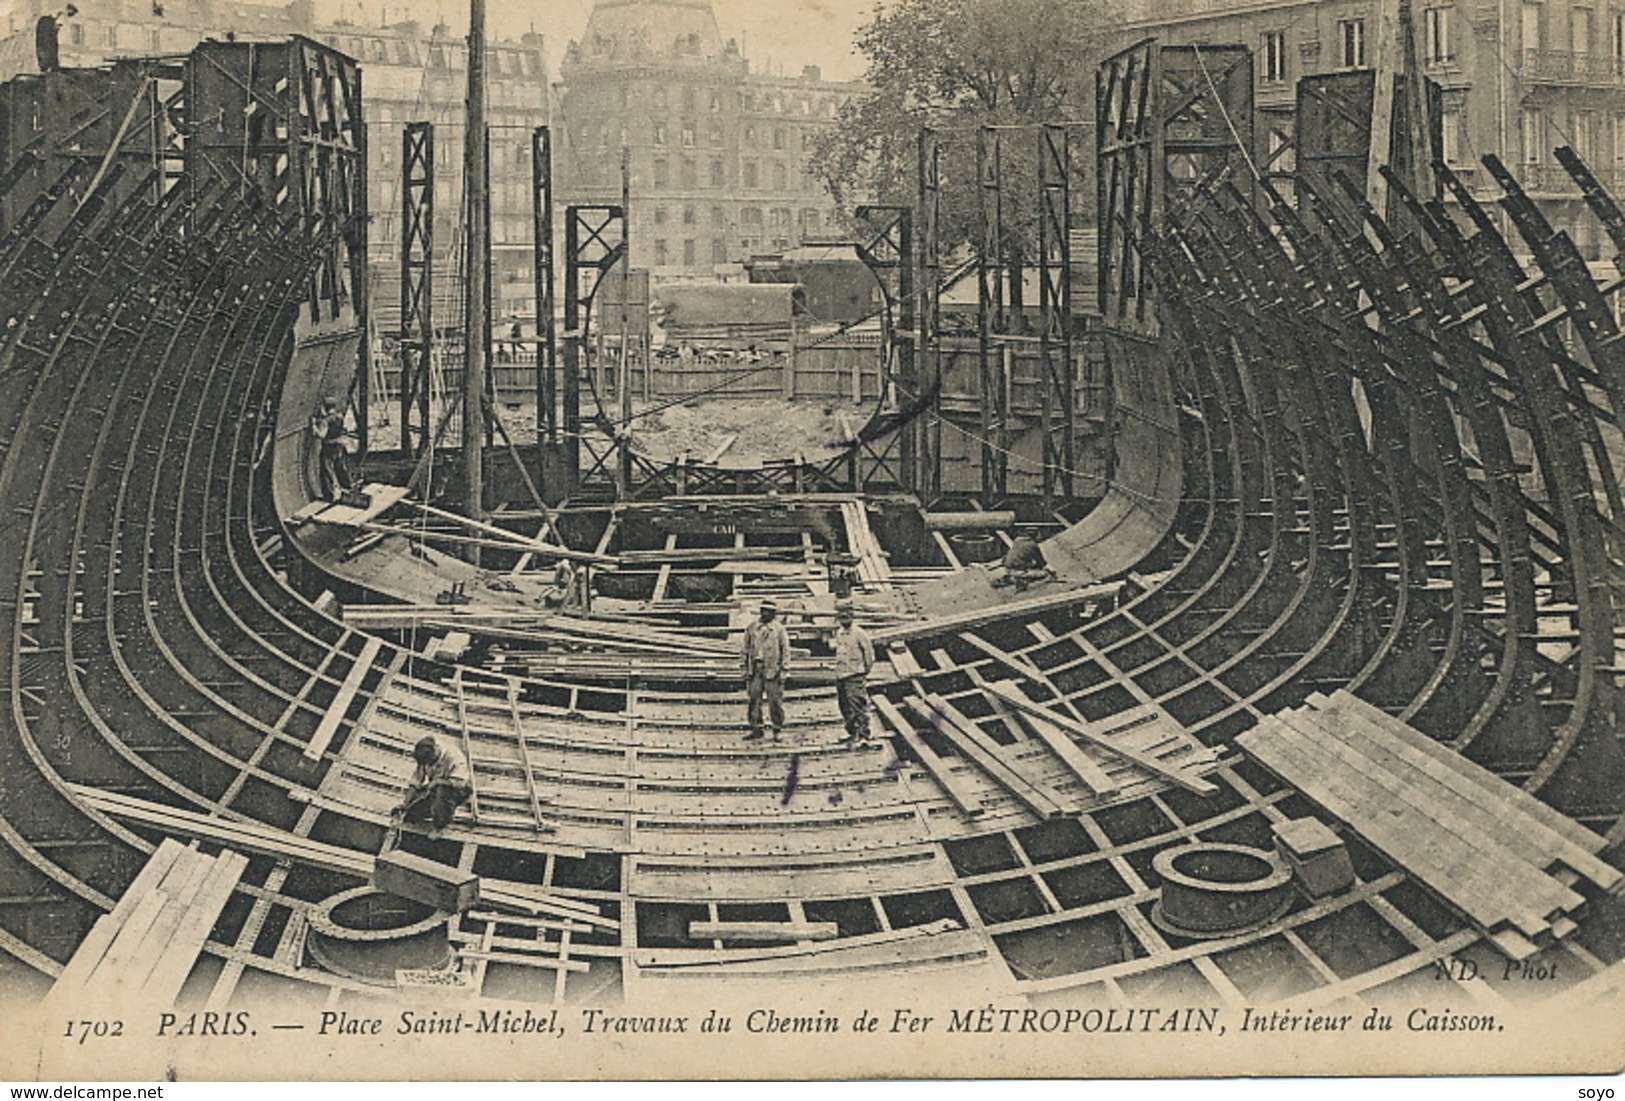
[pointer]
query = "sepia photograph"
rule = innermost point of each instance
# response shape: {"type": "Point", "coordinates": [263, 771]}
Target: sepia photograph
{"type": "Point", "coordinates": [581, 540]}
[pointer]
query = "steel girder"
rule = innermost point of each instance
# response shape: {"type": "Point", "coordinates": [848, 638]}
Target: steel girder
{"type": "Point", "coordinates": [417, 284]}
{"type": "Point", "coordinates": [594, 242]}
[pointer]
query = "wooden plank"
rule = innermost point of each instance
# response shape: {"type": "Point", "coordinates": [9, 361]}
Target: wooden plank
{"type": "Point", "coordinates": [104, 984]}
{"type": "Point", "coordinates": [959, 793]}
{"type": "Point", "coordinates": [1404, 834]}
{"type": "Point", "coordinates": [542, 824]}
{"type": "Point", "coordinates": [1007, 756]}
{"type": "Point", "coordinates": [1042, 803]}
{"type": "Point", "coordinates": [382, 498]}
{"type": "Point", "coordinates": [460, 704]}
{"type": "Point", "coordinates": [181, 953]}
{"type": "Point", "coordinates": [1578, 844]}
{"type": "Point", "coordinates": [1061, 744]}
{"type": "Point", "coordinates": [518, 542]}
{"type": "Point", "coordinates": [329, 725]}
{"type": "Point", "coordinates": [763, 930]}
{"type": "Point", "coordinates": [956, 622]}
{"type": "Point", "coordinates": [720, 450]}
{"type": "Point", "coordinates": [1480, 806]}
{"type": "Point", "coordinates": [260, 838]}
{"type": "Point", "coordinates": [407, 875]}
{"type": "Point", "coordinates": [1519, 873]}
{"type": "Point", "coordinates": [1006, 691]}
{"type": "Point", "coordinates": [88, 956]}
{"type": "Point", "coordinates": [525, 960]}
{"type": "Point", "coordinates": [181, 899]}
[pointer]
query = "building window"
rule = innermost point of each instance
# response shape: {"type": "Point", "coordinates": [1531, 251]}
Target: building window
{"type": "Point", "coordinates": [778, 137]}
{"type": "Point", "coordinates": [660, 215]}
{"type": "Point", "coordinates": [660, 133]}
{"type": "Point", "coordinates": [662, 253]}
{"type": "Point", "coordinates": [1619, 141]}
{"type": "Point", "coordinates": [719, 251]}
{"type": "Point", "coordinates": [689, 253]}
{"type": "Point", "coordinates": [718, 176]}
{"type": "Point", "coordinates": [690, 103]}
{"type": "Point", "coordinates": [719, 217]}
{"type": "Point", "coordinates": [662, 173]}
{"type": "Point", "coordinates": [750, 136]}
{"type": "Point", "coordinates": [1584, 134]}
{"type": "Point", "coordinates": [714, 132]}
{"type": "Point", "coordinates": [1580, 30]}
{"type": "Point", "coordinates": [809, 221]}
{"type": "Point", "coordinates": [1436, 36]}
{"type": "Point", "coordinates": [688, 173]}
{"type": "Point", "coordinates": [751, 174]}
{"type": "Point", "coordinates": [1534, 136]}
{"type": "Point", "coordinates": [781, 177]}
{"type": "Point", "coordinates": [1616, 38]}
{"type": "Point", "coordinates": [688, 134]}
{"type": "Point", "coordinates": [1351, 43]}
{"type": "Point", "coordinates": [716, 101]}
{"type": "Point", "coordinates": [1274, 51]}
{"type": "Point", "coordinates": [690, 217]}
{"type": "Point", "coordinates": [1450, 126]}
{"type": "Point", "coordinates": [750, 216]}
{"type": "Point", "coordinates": [1529, 26]}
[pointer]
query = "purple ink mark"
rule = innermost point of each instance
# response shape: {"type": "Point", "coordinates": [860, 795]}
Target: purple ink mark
{"type": "Point", "coordinates": [836, 798]}
{"type": "Point", "coordinates": [792, 780]}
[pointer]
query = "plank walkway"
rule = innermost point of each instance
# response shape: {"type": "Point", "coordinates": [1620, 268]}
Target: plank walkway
{"type": "Point", "coordinates": [148, 943]}
{"type": "Point", "coordinates": [1494, 852]}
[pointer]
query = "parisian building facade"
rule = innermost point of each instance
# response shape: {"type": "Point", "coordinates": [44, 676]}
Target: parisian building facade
{"type": "Point", "coordinates": [1519, 77]}
{"type": "Point", "coordinates": [409, 74]}
{"type": "Point", "coordinates": [719, 155]}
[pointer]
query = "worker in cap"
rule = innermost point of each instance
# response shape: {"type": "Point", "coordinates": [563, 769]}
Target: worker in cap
{"type": "Point", "coordinates": [439, 785]}
{"type": "Point", "coordinates": [767, 659]}
{"type": "Point", "coordinates": [854, 657]}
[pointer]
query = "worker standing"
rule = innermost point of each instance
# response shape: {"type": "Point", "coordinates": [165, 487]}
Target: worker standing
{"type": "Point", "coordinates": [327, 425]}
{"type": "Point", "coordinates": [440, 784]}
{"type": "Point", "coordinates": [854, 657]}
{"type": "Point", "coordinates": [767, 658]}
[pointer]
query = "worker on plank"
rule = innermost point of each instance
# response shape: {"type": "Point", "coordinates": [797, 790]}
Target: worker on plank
{"type": "Point", "coordinates": [854, 657]}
{"type": "Point", "coordinates": [327, 425]}
{"type": "Point", "coordinates": [1023, 564]}
{"type": "Point", "coordinates": [440, 784]}
{"type": "Point", "coordinates": [767, 659]}
{"type": "Point", "coordinates": [563, 593]}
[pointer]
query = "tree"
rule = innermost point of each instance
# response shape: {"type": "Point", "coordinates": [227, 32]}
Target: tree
{"type": "Point", "coordinates": [959, 65]}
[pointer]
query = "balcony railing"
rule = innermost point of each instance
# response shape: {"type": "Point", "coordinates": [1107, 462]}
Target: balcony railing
{"type": "Point", "coordinates": [1567, 67]}
{"type": "Point", "coordinates": [1551, 179]}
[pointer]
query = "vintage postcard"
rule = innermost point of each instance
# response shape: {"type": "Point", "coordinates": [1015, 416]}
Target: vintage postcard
{"type": "Point", "coordinates": [687, 539]}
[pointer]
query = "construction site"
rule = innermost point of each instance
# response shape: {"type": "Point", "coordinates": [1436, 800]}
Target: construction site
{"type": "Point", "coordinates": [1309, 700]}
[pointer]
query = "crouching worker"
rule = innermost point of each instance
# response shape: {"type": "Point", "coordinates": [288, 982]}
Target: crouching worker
{"type": "Point", "coordinates": [439, 786]}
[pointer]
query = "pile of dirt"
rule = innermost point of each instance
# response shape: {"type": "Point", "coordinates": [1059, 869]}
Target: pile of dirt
{"type": "Point", "coordinates": [765, 429]}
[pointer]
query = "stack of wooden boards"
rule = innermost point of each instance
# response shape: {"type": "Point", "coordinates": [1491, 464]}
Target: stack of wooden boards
{"type": "Point", "coordinates": [1108, 759]}
{"type": "Point", "coordinates": [1502, 857]}
{"type": "Point", "coordinates": [146, 946]}
{"type": "Point", "coordinates": [874, 571]}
